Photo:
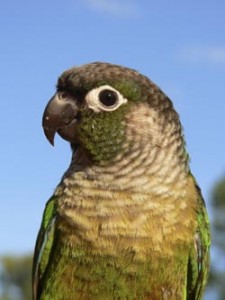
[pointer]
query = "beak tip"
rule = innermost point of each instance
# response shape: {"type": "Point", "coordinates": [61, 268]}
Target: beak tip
{"type": "Point", "coordinates": [50, 135]}
{"type": "Point", "coordinates": [52, 143]}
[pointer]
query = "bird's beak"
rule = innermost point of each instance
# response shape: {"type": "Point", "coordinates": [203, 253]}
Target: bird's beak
{"type": "Point", "coordinates": [60, 116]}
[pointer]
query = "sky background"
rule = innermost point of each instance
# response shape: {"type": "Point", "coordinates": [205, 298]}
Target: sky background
{"type": "Point", "coordinates": [180, 45]}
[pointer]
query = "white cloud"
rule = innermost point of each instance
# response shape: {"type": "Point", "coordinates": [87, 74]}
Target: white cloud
{"type": "Point", "coordinates": [128, 8]}
{"type": "Point", "coordinates": [200, 54]}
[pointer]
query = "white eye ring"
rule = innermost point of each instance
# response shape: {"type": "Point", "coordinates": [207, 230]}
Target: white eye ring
{"type": "Point", "coordinates": [111, 99]}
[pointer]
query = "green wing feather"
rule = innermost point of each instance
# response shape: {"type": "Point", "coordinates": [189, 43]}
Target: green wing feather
{"type": "Point", "coordinates": [198, 268]}
{"type": "Point", "coordinates": [43, 247]}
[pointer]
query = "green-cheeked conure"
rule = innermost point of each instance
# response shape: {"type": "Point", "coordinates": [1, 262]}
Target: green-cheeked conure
{"type": "Point", "coordinates": [127, 220]}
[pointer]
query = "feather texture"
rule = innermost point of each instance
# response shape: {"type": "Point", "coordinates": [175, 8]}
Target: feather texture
{"type": "Point", "coordinates": [127, 220]}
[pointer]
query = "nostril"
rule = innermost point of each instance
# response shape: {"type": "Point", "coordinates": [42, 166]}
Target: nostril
{"type": "Point", "coordinates": [64, 95]}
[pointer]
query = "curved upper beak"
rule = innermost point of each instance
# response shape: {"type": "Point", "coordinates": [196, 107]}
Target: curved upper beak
{"type": "Point", "coordinates": [60, 116]}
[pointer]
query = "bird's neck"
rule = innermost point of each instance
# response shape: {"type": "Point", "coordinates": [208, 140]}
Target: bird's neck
{"type": "Point", "coordinates": [158, 170]}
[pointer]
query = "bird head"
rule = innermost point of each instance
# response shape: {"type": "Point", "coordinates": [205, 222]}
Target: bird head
{"type": "Point", "coordinates": [108, 110]}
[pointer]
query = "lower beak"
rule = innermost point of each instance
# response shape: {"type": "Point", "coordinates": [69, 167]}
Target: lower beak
{"type": "Point", "coordinates": [60, 116]}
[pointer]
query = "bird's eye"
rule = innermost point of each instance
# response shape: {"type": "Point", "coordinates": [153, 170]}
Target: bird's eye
{"type": "Point", "coordinates": [108, 97]}
{"type": "Point", "coordinates": [104, 98]}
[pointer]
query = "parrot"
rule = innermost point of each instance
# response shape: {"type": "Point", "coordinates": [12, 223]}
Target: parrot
{"type": "Point", "coordinates": [127, 219]}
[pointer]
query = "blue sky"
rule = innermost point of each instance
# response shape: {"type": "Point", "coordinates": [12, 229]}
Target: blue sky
{"type": "Point", "coordinates": [179, 45]}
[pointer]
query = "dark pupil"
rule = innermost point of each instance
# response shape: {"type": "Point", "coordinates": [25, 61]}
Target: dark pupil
{"type": "Point", "coordinates": [108, 97]}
